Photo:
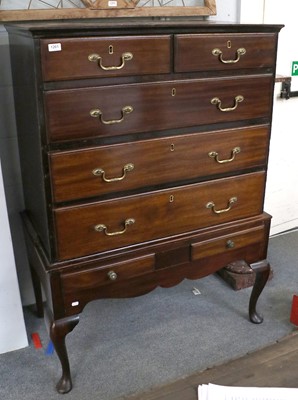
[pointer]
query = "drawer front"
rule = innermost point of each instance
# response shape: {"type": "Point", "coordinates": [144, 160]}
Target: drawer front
{"type": "Point", "coordinates": [101, 170]}
{"type": "Point", "coordinates": [224, 52]}
{"type": "Point", "coordinates": [125, 109]}
{"type": "Point", "coordinates": [228, 243]}
{"type": "Point", "coordinates": [76, 286]}
{"type": "Point", "coordinates": [111, 224]}
{"type": "Point", "coordinates": [89, 279]}
{"type": "Point", "coordinates": [77, 58]}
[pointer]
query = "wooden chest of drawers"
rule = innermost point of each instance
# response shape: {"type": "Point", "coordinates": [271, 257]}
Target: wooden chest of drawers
{"type": "Point", "coordinates": [144, 149]}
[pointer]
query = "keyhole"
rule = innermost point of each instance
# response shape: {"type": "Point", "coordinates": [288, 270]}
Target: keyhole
{"type": "Point", "coordinates": [174, 92]}
{"type": "Point", "coordinates": [111, 49]}
{"type": "Point", "coordinates": [171, 198]}
{"type": "Point", "coordinates": [172, 147]}
{"type": "Point", "coordinates": [229, 44]}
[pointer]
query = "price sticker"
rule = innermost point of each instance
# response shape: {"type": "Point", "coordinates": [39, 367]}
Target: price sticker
{"type": "Point", "coordinates": [54, 47]}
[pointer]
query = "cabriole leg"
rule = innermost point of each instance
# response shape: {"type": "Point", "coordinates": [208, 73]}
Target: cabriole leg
{"type": "Point", "coordinates": [262, 271]}
{"type": "Point", "coordinates": [58, 330]}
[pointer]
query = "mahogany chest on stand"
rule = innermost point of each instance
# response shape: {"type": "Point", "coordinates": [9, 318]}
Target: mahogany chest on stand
{"type": "Point", "coordinates": [144, 148]}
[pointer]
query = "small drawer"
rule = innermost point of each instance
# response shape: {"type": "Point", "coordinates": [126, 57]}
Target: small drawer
{"type": "Point", "coordinates": [199, 52]}
{"type": "Point", "coordinates": [136, 108]}
{"type": "Point", "coordinates": [85, 284]}
{"type": "Point", "coordinates": [120, 222]}
{"type": "Point", "coordinates": [228, 243]}
{"type": "Point", "coordinates": [98, 57]}
{"type": "Point", "coordinates": [96, 171]}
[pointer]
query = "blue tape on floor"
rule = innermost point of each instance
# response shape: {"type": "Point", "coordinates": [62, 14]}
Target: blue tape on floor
{"type": "Point", "coordinates": [50, 349]}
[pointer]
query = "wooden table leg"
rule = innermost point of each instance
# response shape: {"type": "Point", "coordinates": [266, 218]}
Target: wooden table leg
{"type": "Point", "coordinates": [58, 329]}
{"type": "Point", "coordinates": [262, 271]}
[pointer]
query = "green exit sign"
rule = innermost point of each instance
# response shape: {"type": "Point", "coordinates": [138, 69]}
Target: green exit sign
{"type": "Point", "coordinates": [294, 68]}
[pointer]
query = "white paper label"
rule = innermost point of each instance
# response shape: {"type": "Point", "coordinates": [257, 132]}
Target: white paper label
{"type": "Point", "coordinates": [112, 3]}
{"type": "Point", "coordinates": [54, 47]}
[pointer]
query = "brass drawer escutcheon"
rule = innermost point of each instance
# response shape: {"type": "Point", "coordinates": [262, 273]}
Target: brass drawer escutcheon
{"type": "Point", "coordinates": [216, 101]}
{"type": "Point", "coordinates": [100, 172]}
{"type": "Point", "coordinates": [214, 154]}
{"type": "Point", "coordinates": [96, 113]}
{"type": "Point", "coordinates": [231, 201]}
{"type": "Point", "coordinates": [104, 229]}
{"type": "Point", "coordinates": [218, 53]}
{"type": "Point", "coordinates": [97, 58]}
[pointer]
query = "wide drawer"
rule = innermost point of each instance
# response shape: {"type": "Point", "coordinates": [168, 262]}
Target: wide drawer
{"type": "Point", "coordinates": [124, 109]}
{"type": "Point", "coordinates": [76, 58]}
{"type": "Point", "coordinates": [115, 223]}
{"type": "Point", "coordinates": [95, 171]}
{"type": "Point", "coordinates": [199, 52]}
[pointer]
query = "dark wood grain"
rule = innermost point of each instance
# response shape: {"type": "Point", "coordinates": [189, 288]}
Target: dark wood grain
{"type": "Point", "coordinates": [154, 106]}
{"type": "Point", "coordinates": [194, 52]}
{"type": "Point", "coordinates": [158, 214]}
{"type": "Point", "coordinates": [226, 244]}
{"type": "Point", "coordinates": [156, 161]}
{"type": "Point", "coordinates": [151, 55]}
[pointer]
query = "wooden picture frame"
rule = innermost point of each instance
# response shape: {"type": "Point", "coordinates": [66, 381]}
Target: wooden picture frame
{"type": "Point", "coordinates": [123, 8]}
